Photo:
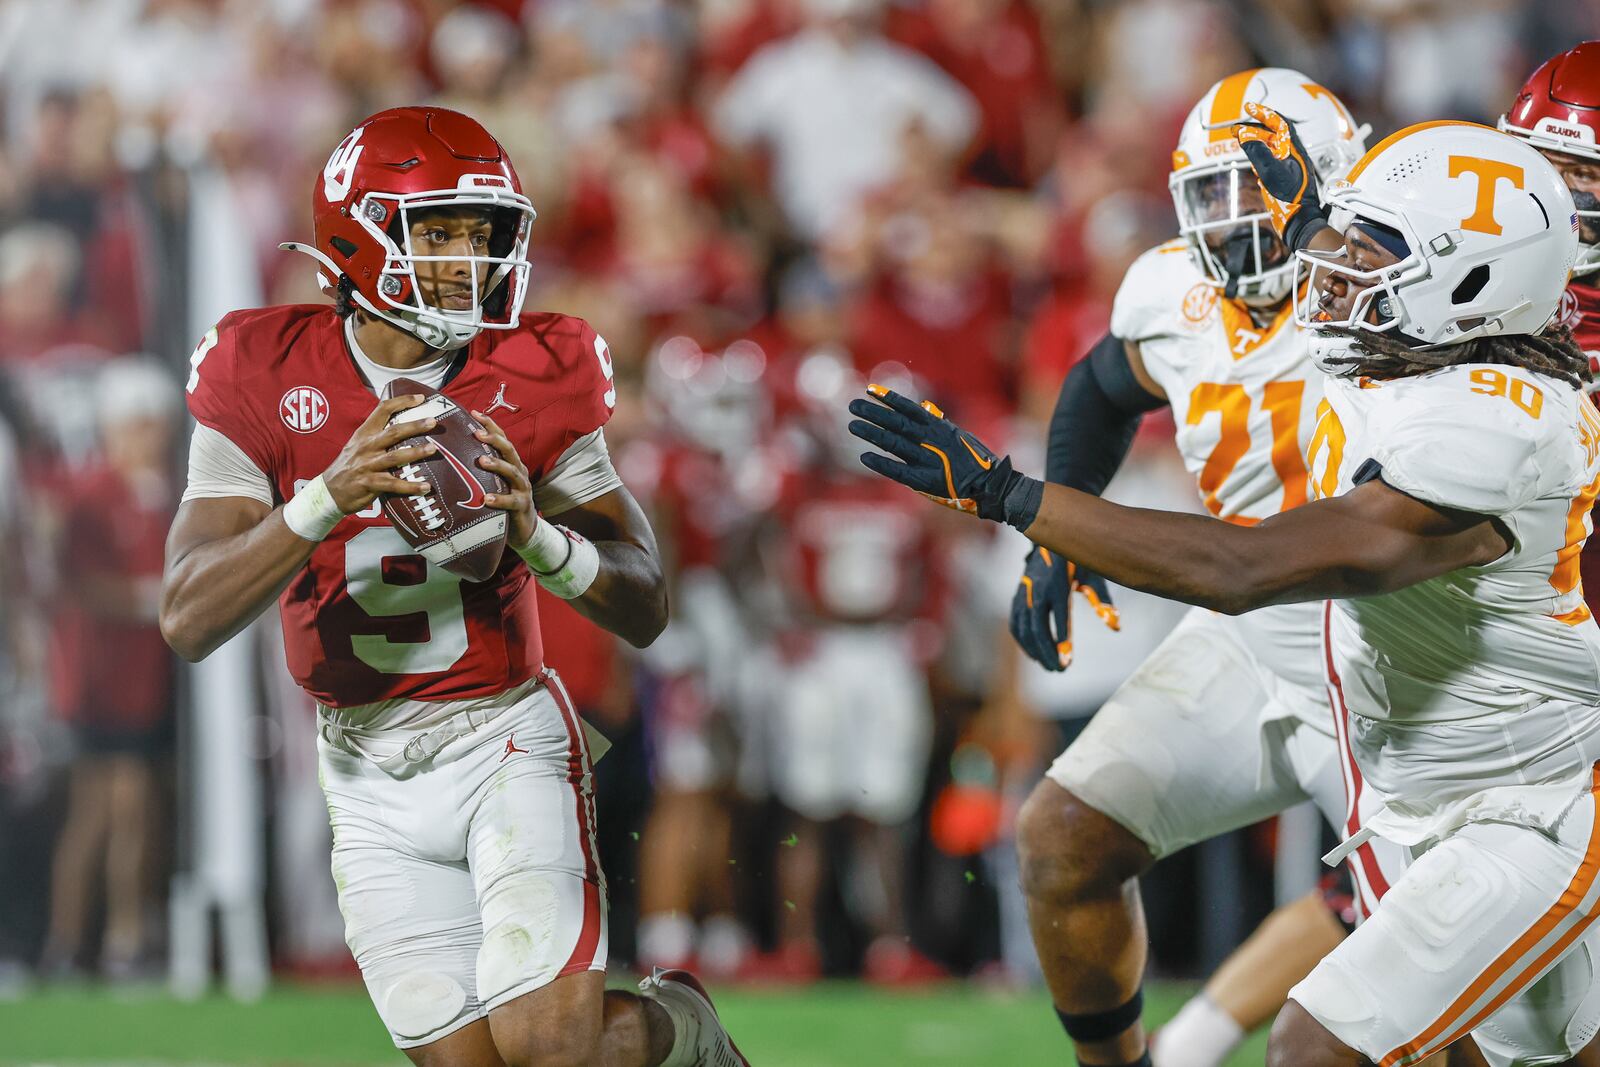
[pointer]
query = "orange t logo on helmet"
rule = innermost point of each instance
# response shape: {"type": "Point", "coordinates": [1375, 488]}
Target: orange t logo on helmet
{"type": "Point", "coordinates": [1489, 172]}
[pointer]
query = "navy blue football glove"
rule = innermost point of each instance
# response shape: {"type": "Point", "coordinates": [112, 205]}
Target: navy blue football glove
{"type": "Point", "coordinates": [942, 461]}
{"type": "Point", "coordinates": [1041, 610]}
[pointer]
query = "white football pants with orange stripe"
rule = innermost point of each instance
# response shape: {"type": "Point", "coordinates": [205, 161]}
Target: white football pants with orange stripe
{"type": "Point", "coordinates": [1206, 737]}
{"type": "Point", "coordinates": [467, 877]}
{"type": "Point", "coordinates": [1490, 932]}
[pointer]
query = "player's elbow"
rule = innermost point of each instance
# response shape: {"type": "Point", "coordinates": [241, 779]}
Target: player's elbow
{"type": "Point", "coordinates": [1237, 596]}
{"type": "Point", "coordinates": [184, 633]}
{"type": "Point", "coordinates": [183, 640]}
{"type": "Point", "coordinates": [1249, 580]}
{"type": "Point", "coordinates": [651, 619]}
{"type": "Point", "coordinates": [1233, 602]}
{"type": "Point", "coordinates": [1234, 583]}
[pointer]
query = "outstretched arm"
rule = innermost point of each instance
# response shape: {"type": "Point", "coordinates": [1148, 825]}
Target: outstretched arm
{"type": "Point", "coordinates": [1373, 539]}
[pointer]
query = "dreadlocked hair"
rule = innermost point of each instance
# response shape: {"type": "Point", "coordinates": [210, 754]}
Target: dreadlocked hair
{"type": "Point", "coordinates": [1383, 355]}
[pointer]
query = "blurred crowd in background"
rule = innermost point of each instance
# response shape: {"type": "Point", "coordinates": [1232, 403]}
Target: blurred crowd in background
{"type": "Point", "coordinates": [761, 204]}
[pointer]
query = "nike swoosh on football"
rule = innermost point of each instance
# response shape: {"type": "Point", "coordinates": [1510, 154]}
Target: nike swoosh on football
{"type": "Point", "coordinates": [475, 494]}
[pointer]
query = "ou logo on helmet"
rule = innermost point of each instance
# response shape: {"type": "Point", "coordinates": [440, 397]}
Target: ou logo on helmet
{"type": "Point", "coordinates": [341, 168]}
{"type": "Point", "coordinates": [1567, 313]}
{"type": "Point", "coordinates": [304, 409]}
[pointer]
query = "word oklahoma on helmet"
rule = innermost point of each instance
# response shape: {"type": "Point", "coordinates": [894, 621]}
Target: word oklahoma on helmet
{"type": "Point", "coordinates": [1558, 109]}
{"type": "Point", "coordinates": [1212, 178]}
{"type": "Point", "coordinates": [1489, 236]}
{"type": "Point", "coordinates": [394, 166]}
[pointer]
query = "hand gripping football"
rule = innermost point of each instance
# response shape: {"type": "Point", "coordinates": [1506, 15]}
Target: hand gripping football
{"type": "Point", "coordinates": [450, 526]}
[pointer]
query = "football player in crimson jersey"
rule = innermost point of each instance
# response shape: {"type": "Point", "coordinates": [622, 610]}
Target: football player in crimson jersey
{"type": "Point", "coordinates": [711, 417]}
{"type": "Point", "coordinates": [851, 723]}
{"type": "Point", "coordinates": [456, 771]}
{"type": "Point", "coordinates": [1557, 110]}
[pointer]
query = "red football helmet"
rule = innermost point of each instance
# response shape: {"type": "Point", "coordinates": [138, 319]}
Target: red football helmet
{"type": "Point", "coordinates": [1558, 110]}
{"type": "Point", "coordinates": [406, 160]}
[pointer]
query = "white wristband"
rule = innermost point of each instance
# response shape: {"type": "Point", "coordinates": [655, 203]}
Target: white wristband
{"type": "Point", "coordinates": [565, 563]}
{"type": "Point", "coordinates": [312, 513]}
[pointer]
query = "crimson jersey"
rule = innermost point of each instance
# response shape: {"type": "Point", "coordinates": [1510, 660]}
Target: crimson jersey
{"type": "Point", "coordinates": [368, 619]}
{"type": "Point", "coordinates": [114, 530]}
{"type": "Point", "coordinates": [700, 498]}
{"type": "Point", "coordinates": [855, 550]}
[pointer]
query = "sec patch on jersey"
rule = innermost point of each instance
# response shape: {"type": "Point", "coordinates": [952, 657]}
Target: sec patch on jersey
{"type": "Point", "coordinates": [452, 526]}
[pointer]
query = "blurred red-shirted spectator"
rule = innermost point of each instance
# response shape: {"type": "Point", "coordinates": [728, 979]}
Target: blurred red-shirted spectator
{"type": "Point", "coordinates": [39, 309]}
{"type": "Point", "coordinates": [939, 304]}
{"type": "Point", "coordinates": [995, 49]}
{"type": "Point", "coordinates": [112, 671]}
{"type": "Point", "coordinates": [831, 105]}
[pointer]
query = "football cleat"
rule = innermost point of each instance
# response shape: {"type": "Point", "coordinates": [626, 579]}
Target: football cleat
{"type": "Point", "coordinates": [700, 1041]}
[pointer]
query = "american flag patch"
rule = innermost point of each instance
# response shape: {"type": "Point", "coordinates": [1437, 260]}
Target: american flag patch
{"type": "Point", "coordinates": [1574, 220]}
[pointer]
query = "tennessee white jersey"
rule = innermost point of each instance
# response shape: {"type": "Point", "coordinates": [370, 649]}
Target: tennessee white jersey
{"type": "Point", "coordinates": [1244, 397]}
{"type": "Point", "coordinates": [1486, 675]}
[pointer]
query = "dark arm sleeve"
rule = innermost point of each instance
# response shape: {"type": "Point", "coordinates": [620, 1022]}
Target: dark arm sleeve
{"type": "Point", "coordinates": [1096, 415]}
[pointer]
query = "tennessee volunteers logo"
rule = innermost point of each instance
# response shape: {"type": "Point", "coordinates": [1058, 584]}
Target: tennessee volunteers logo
{"type": "Point", "coordinates": [1327, 448]}
{"type": "Point", "coordinates": [341, 168]}
{"type": "Point", "coordinates": [1228, 105]}
{"type": "Point", "coordinates": [1489, 173]}
{"type": "Point", "coordinates": [1199, 302]}
{"type": "Point", "coordinates": [511, 747]}
{"type": "Point", "coordinates": [475, 494]}
{"type": "Point", "coordinates": [1347, 128]}
{"type": "Point", "coordinates": [304, 409]}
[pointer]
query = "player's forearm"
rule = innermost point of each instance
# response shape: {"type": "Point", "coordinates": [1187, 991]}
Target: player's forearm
{"type": "Point", "coordinates": [1194, 559]}
{"type": "Point", "coordinates": [216, 588]}
{"type": "Point", "coordinates": [629, 594]}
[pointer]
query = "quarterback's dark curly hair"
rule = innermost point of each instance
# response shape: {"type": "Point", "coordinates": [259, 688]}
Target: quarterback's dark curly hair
{"type": "Point", "coordinates": [1552, 352]}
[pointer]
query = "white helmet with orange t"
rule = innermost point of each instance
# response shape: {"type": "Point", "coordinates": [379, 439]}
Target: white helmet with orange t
{"type": "Point", "coordinates": [1484, 228]}
{"type": "Point", "coordinates": [1220, 211]}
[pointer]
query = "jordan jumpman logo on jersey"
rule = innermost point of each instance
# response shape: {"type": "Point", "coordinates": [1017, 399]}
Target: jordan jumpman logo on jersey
{"type": "Point", "coordinates": [500, 401]}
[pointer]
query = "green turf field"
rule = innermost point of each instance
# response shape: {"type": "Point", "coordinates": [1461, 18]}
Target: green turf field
{"type": "Point", "coordinates": [833, 1025]}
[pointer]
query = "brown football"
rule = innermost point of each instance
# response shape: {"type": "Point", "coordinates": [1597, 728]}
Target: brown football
{"type": "Point", "coordinates": [450, 526]}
